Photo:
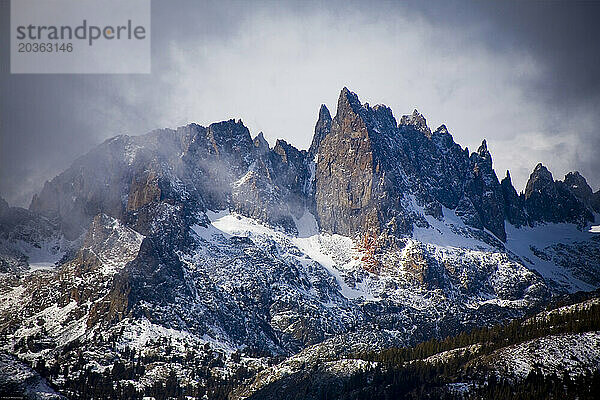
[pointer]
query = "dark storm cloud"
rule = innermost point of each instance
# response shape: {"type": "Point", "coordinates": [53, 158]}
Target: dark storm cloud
{"type": "Point", "coordinates": [525, 75]}
{"type": "Point", "coordinates": [564, 36]}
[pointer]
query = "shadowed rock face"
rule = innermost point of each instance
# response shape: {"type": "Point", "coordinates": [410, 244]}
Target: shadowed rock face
{"type": "Point", "coordinates": [484, 191]}
{"type": "Point", "coordinates": [438, 164]}
{"type": "Point", "coordinates": [322, 129]}
{"type": "Point", "coordinates": [513, 204]}
{"type": "Point", "coordinates": [547, 200]}
{"type": "Point", "coordinates": [580, 188]}
{"type": "Point", "coordinates": [595, 201]}
{"type": "Point", "coordinates": [94, 184]}
{"type": "Point", "coordinates": [261, 145]}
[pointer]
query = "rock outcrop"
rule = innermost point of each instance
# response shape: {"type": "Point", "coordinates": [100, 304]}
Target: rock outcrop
{"type": "Point", "coordinates": [513, 204]}
{"type": "Point", "coordinates": [359, 172]}
{"type": "Point", "coordinates": [485, 192]}
{"type": "Point", "coordinates": [322, 129]}
{"type": "Point", "coordinates": [417, 121]}
{"type": "Point", "coordinates": [547, 200]}
{"type": "Point", "coordinates": [580, 188]}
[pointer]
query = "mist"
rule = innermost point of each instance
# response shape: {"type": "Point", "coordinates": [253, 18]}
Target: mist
{"type": "Point", "coordinates": [486, 71]}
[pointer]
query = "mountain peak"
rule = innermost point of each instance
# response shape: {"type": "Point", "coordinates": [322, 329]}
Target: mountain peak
{"type": "Point", "coordinates": [540, 174]}
{"type": "Point", "coordinates": [324, 112]}
{"type": "Point", "coordinates": [229, 136]}
{"type": "Point", "coordinates": [579, 186]}
{"type": "Point", "coordinates": [556, 201]}
{"type": "Point", "coordinates": [540, 171]}
{"type": "Point", "coordinates": [322, 129]}
{"type": "Point", "coordinates": [513, 204]}
{"type": "Point", "coordinates": [540, 181]}
{"type": "Point", "coordinates": [417, 121]}
{"type": "Point", "coordinates": [442, 130]}
{"type": "Point", "coordinates": [483, 150]}
{"type": "Point", "coordinates": [348, 101]}
{"type": "Point", "coordinates": [260, 143]}
{"type": "Point", "coordinates": [576, 178]}
{"type": "Point", "coordinates": [209, 240]}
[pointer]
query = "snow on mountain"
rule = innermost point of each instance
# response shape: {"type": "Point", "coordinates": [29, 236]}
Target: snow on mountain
{"type": "Point", "coordinates": [203, 244]}
{"type": "Point", "coordinates": [574, 354]}
{"type": "Point", "coordinates": [534, 246]}
{"type": "Point", "coordinates": [56, 306]}
{"type": "Point", "coordinates": [445, 356]}
{"type": "Point", "coordinates": [18, 379]}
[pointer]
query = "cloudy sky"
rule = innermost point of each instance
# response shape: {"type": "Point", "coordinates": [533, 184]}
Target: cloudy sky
{"type": "Point", "coordinates": [523, 75]}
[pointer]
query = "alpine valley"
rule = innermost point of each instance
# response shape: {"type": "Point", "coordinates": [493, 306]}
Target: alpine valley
{"type": "Point", "coordinates": [386, 261]}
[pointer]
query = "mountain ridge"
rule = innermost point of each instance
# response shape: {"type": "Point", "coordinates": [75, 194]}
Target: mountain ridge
{"type": "Point", "coordinates": [477, 209]}
{"type": "Point", "coordinates": [219, 249]}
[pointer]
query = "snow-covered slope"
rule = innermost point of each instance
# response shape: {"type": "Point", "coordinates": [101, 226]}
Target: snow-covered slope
{"type": "Point", "coordinates": [564, 254]}
{"type": "Point", "coordinates": [17, 379]}
{"type": "Point", "coordinates": [574, 354]}
{"type": "Point", "coordinates": [556, 350]}
{"type": "Point", "coordinates": [201, 248]}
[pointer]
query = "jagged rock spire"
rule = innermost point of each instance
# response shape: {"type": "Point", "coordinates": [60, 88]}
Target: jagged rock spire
{"type": "Point", "coordinates": [348, 100]}
{"type": "Point", "coordinates": [483, 149]}
{"type": "Point", "coordinates": [261, 144]}
{"type": "Point", "coordinates": [442, 130]}
{"type": "Point", "coordinates": [540, 180]}
{"type": "Point", "coordinates": [417, 121]}
{"type": "Point", "coordinates": [579, 186]}
{"type": "Point", "coordinates": [484, 190]}
{"type": "Point", "coordinates": [548, 200]}
{"type": "Point", "coordinates": [322, 129]}
{"type": "Point", "coordinates": [513, 204]}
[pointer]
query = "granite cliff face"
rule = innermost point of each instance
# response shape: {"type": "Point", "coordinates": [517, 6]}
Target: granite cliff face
{"type": "Point", "coordinates": [367, 169]}
{"type": "Point", "coordinates": [357, 187]}
{"type": "Point", "coordinates": [209, 244]}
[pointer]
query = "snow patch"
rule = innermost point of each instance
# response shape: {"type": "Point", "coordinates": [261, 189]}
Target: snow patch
{"type": "Point", "coordinates": [449, 232]}
{"type": "Point", "coordinates": [309, 242]}
{"type": "Point", "coordinates": [524, 240]}
{"type": "Point", "coordinates": [574, 353]}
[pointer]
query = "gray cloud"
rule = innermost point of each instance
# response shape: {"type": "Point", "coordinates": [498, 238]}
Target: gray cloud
{"type": "Point", "coordinates": [522, 75]}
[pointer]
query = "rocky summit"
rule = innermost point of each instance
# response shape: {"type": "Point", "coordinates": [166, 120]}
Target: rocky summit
{"type": "Point", "coordinates": [194, 261]}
